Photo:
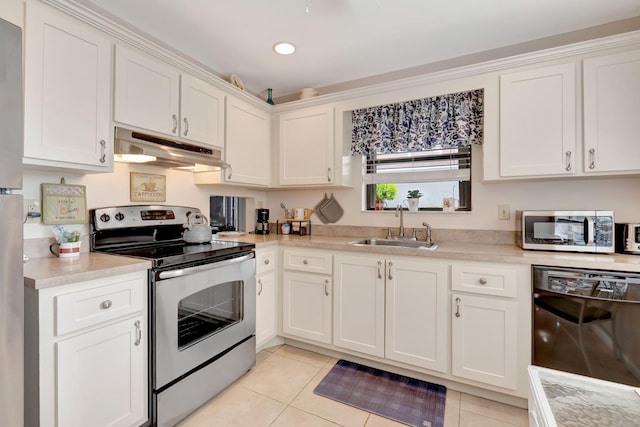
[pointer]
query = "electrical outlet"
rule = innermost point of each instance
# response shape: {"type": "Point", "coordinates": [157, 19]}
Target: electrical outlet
{"type": "Point", "coordinates": [504, 212]}
{"type": "Point", "coordinates": [32, 210]}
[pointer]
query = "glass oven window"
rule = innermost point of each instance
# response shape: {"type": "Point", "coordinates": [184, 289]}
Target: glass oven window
{"type": "Point", "coordinates": [209, 311]}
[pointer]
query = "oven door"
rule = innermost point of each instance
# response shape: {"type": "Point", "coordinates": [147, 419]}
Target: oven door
{"type": "Point", "coordinates": [199, 312]}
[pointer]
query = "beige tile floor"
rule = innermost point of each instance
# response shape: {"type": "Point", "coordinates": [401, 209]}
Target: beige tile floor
{"type": "Point", "coordinates": [278, 392]}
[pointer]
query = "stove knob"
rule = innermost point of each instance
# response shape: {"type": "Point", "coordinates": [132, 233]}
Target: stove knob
{"type": "Point", "coordinates": [105, 218]}
{"type": "Point", "coordinates": [119, 216]}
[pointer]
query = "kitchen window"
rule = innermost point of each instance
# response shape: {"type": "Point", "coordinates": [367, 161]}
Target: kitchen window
{"type": "Point", "coordinates": [438, 174]}
{"type": "Point", "coordinates": [422, 145]}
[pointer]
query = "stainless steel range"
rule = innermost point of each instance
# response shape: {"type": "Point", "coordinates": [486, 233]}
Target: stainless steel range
{"type": "Point", "coordinates": [201, 304]}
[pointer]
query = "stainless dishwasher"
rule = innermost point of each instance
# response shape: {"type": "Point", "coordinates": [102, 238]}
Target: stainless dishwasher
{"type": "Point", "coordinates": [587, 322]}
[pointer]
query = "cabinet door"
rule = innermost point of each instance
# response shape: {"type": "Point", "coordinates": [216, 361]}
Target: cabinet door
{"type": "Point", "coordinates": [611, 110]}
{"type": "Point", "coordinates": [416, 316]}
{"type": "Point", "coordinates": [484, 340]}
{"type": "Point", "coordinates": [307, 306]}
{"type": "Point", "coordinates": [101, 376]}
{"type": "Point", "coordinates": [537, 122]}
{"type": "Point", "coordinates": [248, 144]}
{"type": "Point", "coordinates": [146, 92]}
{"type": "Point", "coordinates": [358, 304]}
{"type": "Point", "coordinates": [67, 92]}
{"type": "Point", "coordinates": [306, 146]}
{"type": "Point", "coordinates": [265, 307]}
{"type": "Point", "coordinates": [201, 112]}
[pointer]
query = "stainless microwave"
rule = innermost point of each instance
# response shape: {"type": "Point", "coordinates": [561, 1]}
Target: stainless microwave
{"type": "Point", "coordinates": [571, 231]}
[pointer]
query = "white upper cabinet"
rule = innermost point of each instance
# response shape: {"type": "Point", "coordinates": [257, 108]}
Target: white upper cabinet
{"type": "Point", "coordinates": [611, 112]}
{"type": "Point", "coordinates": [150, 94]}
{"type": "Point", "coordinates": [67, 92]}
{"type": "Point", "coordinates": [248, 144]}
{"type": "Point", "coordinates": [201, 111]}
{"type": "Point", "coordinates": [307, 147]}
{"type": "Point", "coordinates": [147, 92]}
{"type": "Point", "coordinates": [537, 122]}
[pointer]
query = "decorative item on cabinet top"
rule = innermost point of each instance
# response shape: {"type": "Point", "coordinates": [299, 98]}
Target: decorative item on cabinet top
{"type": "Point", "coordinates": [328, 210]}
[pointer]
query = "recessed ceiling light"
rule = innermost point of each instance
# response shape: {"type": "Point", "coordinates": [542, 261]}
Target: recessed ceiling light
{"type": "Point", "coordinates": [284, 48]}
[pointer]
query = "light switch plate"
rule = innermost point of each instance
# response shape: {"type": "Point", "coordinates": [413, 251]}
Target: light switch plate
{"type": "Point", "coordinates": [504, 212]}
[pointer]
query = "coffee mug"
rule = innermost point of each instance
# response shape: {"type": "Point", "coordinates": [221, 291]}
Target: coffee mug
{"type": "Point", "coordinates": [65, 250]}
{"type": "Point", "coordinates": [286, 228]}
{"type": "Point", "coordinates": [299, 213]}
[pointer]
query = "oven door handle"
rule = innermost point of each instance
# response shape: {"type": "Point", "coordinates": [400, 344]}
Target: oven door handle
{"type": "Point", "coordinates": [171, 274]}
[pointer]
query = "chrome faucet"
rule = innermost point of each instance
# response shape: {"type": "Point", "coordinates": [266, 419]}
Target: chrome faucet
{"type": "Point", "coordinates": [399, 214]}
{"type": "Point", "coordinates": [427, 238]}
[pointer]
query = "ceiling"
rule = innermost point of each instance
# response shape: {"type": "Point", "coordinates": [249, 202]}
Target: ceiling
{"type": "Point", "coordinates": [346, 40]}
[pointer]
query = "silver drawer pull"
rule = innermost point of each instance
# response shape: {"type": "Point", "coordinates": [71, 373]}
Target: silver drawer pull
{"type": "Point", "coordinates": [326, 283]}
{"type": "Point", "coordinates": [260, 290]}
{"type": "Point", "coordinates": [305, 262]}
{"type": "Point", "coordinates": [483, 281]}
{"type": "Point", "coordinates": [389, 272]}
{"type": "Point", "coordinates": [458, 300]}
{"type": "Point", "coordinates": [138, 333]}
{"type": "Point", "coordinates": [379, 269]}
{"type": "Point", "coordinates": [106, 304]}
{"type": "Point", "coordinates": [266, 261]}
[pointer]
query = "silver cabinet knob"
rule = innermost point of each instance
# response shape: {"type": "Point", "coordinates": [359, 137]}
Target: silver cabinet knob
{"type": "Point", "coordinates": [106, 304]}
{"type": "Point", "coordinates": [266, 262]}
{"type": "Point", "coordinates": [483, 281]}
{"type": "Point", "coordinates": [305, 262]}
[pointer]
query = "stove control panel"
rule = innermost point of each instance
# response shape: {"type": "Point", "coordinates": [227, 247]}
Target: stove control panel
{"type": "Point", "coordinates": [139, 216]}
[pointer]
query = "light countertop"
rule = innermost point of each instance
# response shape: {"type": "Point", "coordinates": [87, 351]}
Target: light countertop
{"type": "Point", "coordinates": [40, 273]}
{"type": "Point", "coordinates": [46, 272]}
{"type": "Point", "coordinates": [456, 251]}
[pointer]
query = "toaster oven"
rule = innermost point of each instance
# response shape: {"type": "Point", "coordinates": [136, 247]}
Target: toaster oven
{"type": "Point", "coordinates": [628, 238]}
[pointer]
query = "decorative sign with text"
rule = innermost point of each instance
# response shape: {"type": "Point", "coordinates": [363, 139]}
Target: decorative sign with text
{"type": "Point", "coordinates": [64, 204]}
{"type": "Point", "coordinates": [146, 187]}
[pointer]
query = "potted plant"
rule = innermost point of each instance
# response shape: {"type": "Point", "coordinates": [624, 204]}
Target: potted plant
{"type": "Point", "coordinates": [413, 198]}
{"type": "Point", "coordinates": [385, 192]}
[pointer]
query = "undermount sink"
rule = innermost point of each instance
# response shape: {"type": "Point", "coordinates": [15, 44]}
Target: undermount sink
{"type": "Point", "coordinates": [396, 243]}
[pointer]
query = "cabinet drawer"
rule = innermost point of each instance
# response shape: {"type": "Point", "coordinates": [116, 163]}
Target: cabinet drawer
{"type": "Point", "coordinates": [485, 278]}
{"type": "Point", "coordinates": [81, 309]}
{"type": "Point", "coordinates": [265, 260]}
{"type": "Point", "coordinates": [309, 261]}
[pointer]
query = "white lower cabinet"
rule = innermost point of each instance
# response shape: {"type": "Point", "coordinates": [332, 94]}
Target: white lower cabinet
{"type": "Point", "coordinates": [491, 324]}
{"type": "Point", "coordinates": [484, 336]}
{"type": "Point", "coordinates": [358, 304]}
{"type": "Point", "coordinates": [417, 328]}
{"type": "Point", "coordinates": [86, 353]}
{"type": "Point", "coordinates": [307, 306]}
{"type": "Point", "coordinates": [99, 379]}
{"type": "Point", "coordinates": [393, 308]}
{"type": "Point", "coordinates": [307, 287]}
{"type": "Point", "coordinates": [265, 295]}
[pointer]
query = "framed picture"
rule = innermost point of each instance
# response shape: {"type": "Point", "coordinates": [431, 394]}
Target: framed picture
{"type": "Point", "coordinates": [146, 187]}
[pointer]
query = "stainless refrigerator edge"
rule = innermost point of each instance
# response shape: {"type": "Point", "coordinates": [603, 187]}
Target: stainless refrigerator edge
{"type": "Point", "coordinates": [11, 223]}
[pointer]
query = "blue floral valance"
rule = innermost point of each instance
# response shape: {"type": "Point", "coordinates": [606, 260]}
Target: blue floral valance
{"type": "Point", "coordinates": [446, 121]}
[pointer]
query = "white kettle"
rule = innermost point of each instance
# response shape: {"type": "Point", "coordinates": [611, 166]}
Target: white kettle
{"type": "Point", "coordinates": [197, 229]}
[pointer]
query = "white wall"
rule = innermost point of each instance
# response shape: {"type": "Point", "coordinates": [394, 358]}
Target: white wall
{"type": "Point", "coordinates": [620, 194]}
{"type": "Point", "coordinates": [113, 190]}
{"type": "Point", "coordinates": [12, 11]}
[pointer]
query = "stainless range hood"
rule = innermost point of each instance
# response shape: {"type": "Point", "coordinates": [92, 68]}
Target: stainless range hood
{"type": "Point", "coordinates": [138, 147]}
